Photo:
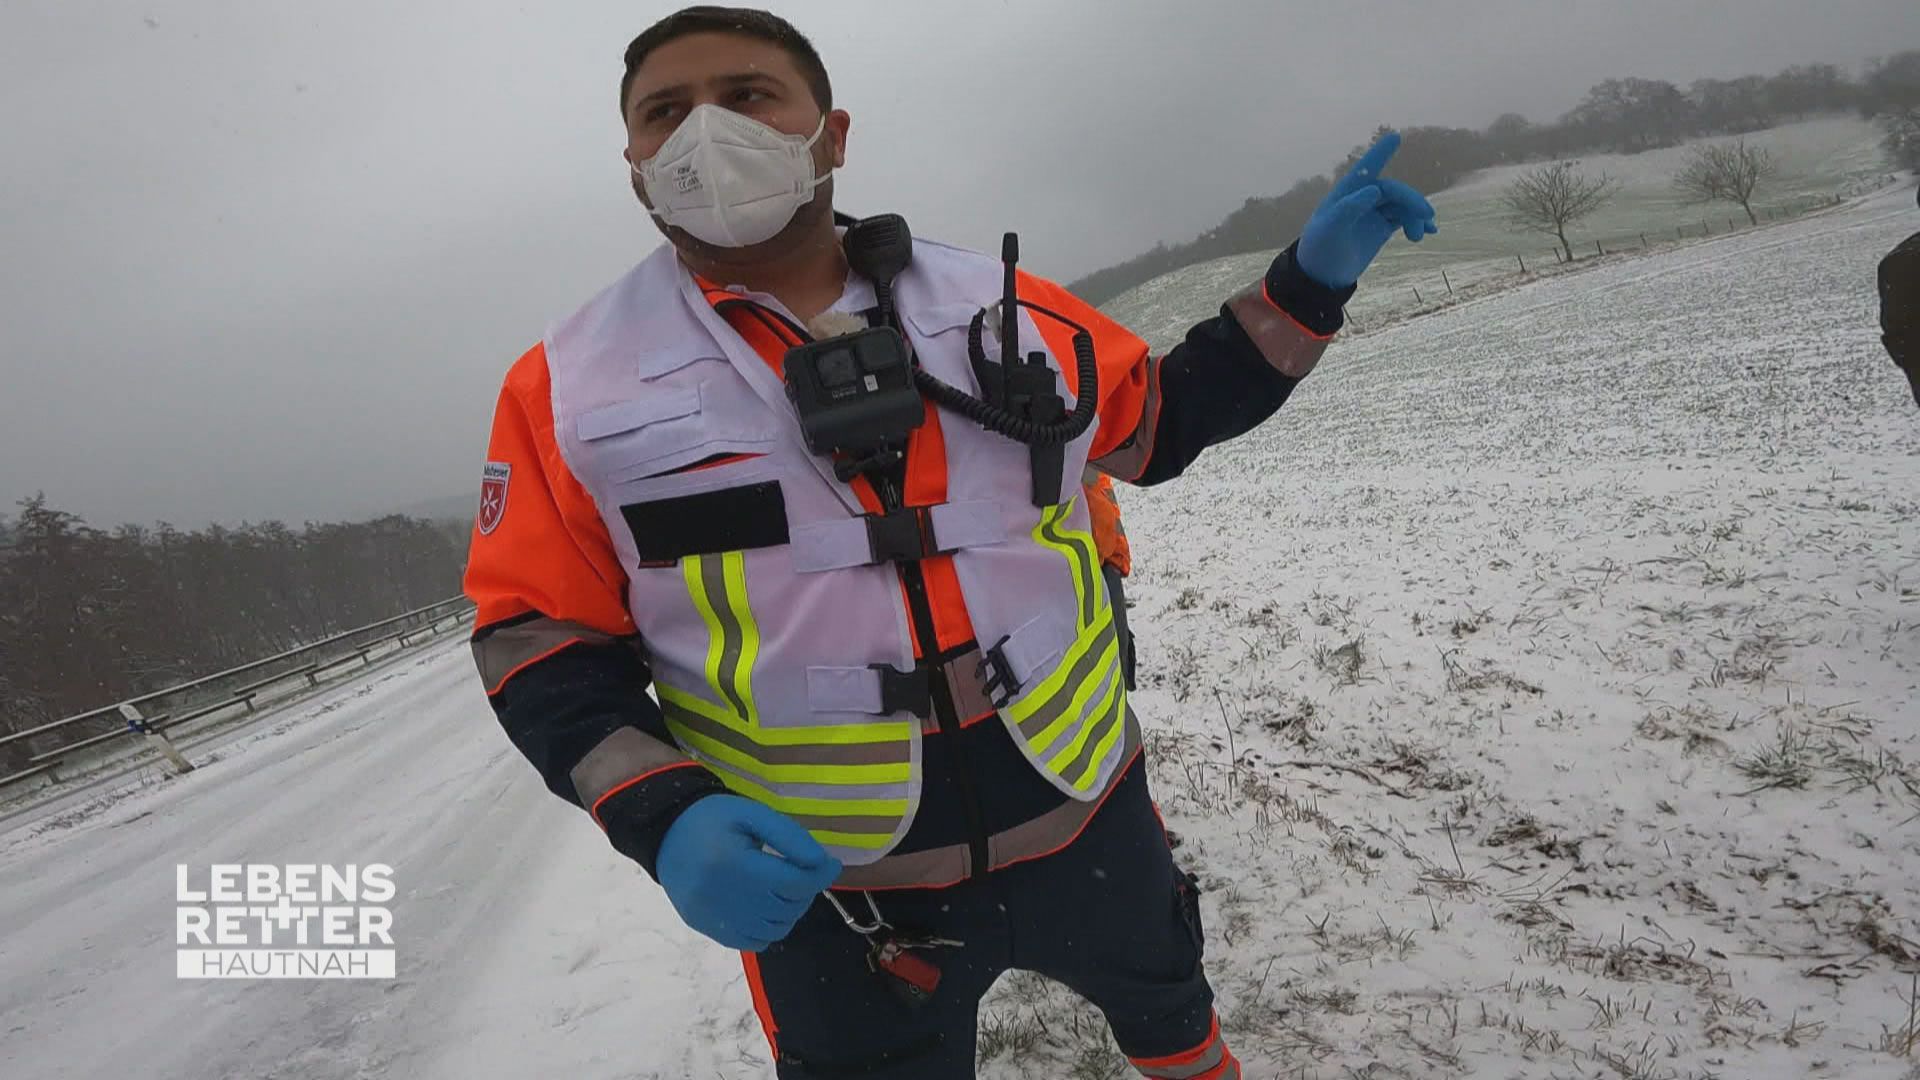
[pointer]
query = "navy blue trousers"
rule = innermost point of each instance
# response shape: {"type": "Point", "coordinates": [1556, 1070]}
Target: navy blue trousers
{"type": "Point", "coordinates": [1109, 916]}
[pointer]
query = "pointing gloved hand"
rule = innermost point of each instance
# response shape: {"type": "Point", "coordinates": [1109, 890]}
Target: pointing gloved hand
{"type": "Point", "coordinates": [1357, 218]}
{"type": "Point", "coordinates": [725, 886]}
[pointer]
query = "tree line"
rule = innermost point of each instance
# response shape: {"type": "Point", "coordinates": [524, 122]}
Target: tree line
{"type": "Point", "coordinates": [1617, 116]}
{"type": "Point", "coordinates": [90, 616]}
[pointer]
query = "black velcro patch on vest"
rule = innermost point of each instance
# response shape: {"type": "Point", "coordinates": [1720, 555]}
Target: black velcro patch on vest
{"type": "Point", "coordinates": [730, 519]}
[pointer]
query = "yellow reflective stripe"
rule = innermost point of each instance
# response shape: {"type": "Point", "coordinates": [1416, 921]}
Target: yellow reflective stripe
{"type": "Point", "coordinates": [1072, 750]}
{"type": "Point", "coordinates": [1105, 745]}
{"type": "Point", "coordinates": [1079, 551]}
{"type": "Point", "coordinates": [889, 773]}
{"type": "Point", "coordinates": [1049, 517]}
{"type": "Point", "coordinates": [693, 569]}
{"type": "Point", "coordinates": [1082, 556]}
{"type": "Point", "coordinates": [681, 699]}
{"type": "Point", "coordinates": [851, 839]}
{"type": "Point", "coordinates": [813, 807]}
{"type": "Point", "coordinates": [1092, 683]}
{"type": "Point", "coordinates": [717, 584]}
{"type": "Point", "coordinates": [1047, 687]}
{"type": "Point", "coordinates": [823, 735]}
{"type": "Point", "coordinates": [734, 574]}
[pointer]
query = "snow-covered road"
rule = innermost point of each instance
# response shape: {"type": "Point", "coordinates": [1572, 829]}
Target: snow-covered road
{"type": "Point", "coordinates": [502, 891]}
{"type": "Point", "coordinates": [1534, 578]}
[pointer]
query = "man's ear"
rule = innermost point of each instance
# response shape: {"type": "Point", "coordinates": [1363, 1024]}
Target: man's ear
{"type": "Point", "coordinates": [837, 124]}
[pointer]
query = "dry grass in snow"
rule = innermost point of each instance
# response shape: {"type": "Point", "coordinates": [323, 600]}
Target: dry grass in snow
{"type": "Point", "coordinates": [1539, 694]}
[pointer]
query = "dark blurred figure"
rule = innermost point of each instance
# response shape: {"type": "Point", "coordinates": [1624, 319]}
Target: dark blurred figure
{"type": "Point", "coordinates": [1900, 308]}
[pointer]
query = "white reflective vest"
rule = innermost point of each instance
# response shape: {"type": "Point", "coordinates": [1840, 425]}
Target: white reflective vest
{"type": "Point", "coordinates": [764, 658]}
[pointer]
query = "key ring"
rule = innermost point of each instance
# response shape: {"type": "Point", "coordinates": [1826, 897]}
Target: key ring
{"type": "Point", "coordinates": [879, 923]}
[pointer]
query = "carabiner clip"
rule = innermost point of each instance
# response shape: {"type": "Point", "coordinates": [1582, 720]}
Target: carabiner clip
{"type": "Point", "coordinates": [853, 924]}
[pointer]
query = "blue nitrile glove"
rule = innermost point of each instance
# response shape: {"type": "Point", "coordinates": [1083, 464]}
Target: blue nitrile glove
{"type": "Point", "coordinates": [722, 883]}
{"type": "Point", "coordinates": [1357, 218]}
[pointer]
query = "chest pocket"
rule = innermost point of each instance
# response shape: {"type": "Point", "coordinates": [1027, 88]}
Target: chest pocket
{"type": "Point", "coordinates": [942, 327]}
{"type": "Point", "coordinates": [691, 466]}
{"type": "Point", "coordinates": [672, 429]}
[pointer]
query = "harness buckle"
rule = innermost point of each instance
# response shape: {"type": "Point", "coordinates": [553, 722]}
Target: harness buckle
{"type": "Point", "coordinates": [904, 691]}
{"type": "Point", "coordinates": [903, 535]}
{"type": "Point", "coordinates": [997, 677]}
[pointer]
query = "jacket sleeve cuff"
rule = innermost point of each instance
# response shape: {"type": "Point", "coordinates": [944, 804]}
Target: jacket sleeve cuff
{"type": "Point", "coordinates": [638, 813]}
{"type": "Point", "coordinates": [1314, 306]}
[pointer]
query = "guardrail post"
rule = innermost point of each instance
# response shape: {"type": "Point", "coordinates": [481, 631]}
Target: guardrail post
{"type": "Point", "coordinates": [158, 739]}
{"type": "Point", "coordinates": [51, 762]}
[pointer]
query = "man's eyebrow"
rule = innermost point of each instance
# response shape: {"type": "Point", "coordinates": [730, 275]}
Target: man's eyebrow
{"type": "Point", "coordinates": [683, 89]}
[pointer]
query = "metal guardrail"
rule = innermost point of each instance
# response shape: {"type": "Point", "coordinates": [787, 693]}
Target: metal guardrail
{"type": "Point", "coordinates": [343, 647]}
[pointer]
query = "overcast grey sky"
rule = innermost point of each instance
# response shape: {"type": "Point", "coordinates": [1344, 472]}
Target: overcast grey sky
{"type": "Point", "coordinates": [267, 258]}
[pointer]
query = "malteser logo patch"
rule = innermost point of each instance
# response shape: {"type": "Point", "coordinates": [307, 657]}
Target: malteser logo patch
{"type": "Point", "coordinates": [493, 495]}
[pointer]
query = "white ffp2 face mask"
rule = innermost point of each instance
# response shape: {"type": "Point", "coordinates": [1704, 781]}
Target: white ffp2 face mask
{"type": "Point", "coordinates": [729, 179]}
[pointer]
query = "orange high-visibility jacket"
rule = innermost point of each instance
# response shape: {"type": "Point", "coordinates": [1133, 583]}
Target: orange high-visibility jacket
{"type": "Point", "coordinates": [1109, 536]}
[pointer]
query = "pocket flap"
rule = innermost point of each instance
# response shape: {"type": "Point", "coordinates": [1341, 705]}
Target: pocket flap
{"type": "Point", "coordinates": [1035, 649]}
{"type": "Point", "coordinates": [624, 416]}
{"type": "Point", "coordinates": [657, 362]}
{"type": "Point", "coordinates": [936, 318]}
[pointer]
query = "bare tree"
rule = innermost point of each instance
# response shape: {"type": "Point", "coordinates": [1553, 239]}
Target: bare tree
{"type": "Point", "coordinates": [1901, 128]}
{"type": "Point", "coordinates": [1548, 198]}
{"type": "Point", "coordinates": [1726, 172]}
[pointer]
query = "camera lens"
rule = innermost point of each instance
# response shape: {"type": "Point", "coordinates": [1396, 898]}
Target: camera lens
{"type": "Point", "coordinates": [837, 369]}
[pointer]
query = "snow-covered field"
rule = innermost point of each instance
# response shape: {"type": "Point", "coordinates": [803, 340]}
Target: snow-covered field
{"type": "Point", "coordinates": [1535, 696]}
{"type": "Point", "coordinates": [1569, 642]}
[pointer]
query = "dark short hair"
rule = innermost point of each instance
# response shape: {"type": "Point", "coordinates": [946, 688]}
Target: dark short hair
{"type": "Point", "coordinates": [746, 22]}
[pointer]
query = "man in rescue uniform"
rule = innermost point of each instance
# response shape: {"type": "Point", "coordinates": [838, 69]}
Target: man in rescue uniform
{"type": "Point", "coordinates": [892, 756]}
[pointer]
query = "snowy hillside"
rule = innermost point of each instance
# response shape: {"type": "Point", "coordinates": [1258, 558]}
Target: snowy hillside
{"type": "Point", "coordinates": [1817, 158]}
{"type": "Point", "coordinates": [1535, 697]}
{"type": "Point", "coordinates": [1570, 642]}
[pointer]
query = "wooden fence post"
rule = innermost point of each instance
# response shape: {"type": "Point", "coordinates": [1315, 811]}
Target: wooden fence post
{"type": "Point", "coordinates": [1448, 280]}
{"type": "Point", "coordinates": [1597, 249]}
{"type": "Point", "coordinates": [1416, 295]}
{"type": "Point", "coordinates": [1523, 263]}
{"type": "Point", "coordinates": [158, 740]}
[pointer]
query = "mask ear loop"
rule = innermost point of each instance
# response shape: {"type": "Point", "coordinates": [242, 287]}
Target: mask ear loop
{"type": "Point", "coordinates": [806, 151]}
